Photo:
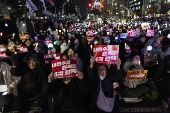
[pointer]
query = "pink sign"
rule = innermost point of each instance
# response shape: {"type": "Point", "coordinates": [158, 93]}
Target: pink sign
{"type": "Point", "coordinates": [64, 68]}
{"type": "Point", "coordinates": [132, 32]}
{"type": "Point", "coordinates": [150, 32]}
{"type": "Point", "coordinates": [105, 53]}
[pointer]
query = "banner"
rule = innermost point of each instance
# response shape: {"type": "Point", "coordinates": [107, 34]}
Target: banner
{"type": "Point", "coordinates": [150, 60]}
{"type": "Point", "coordinates": [64, 68]}
{"type": "Point", "coordinates": [47, 56]}
{"type": "Point", "coordinates": [128, 51]}
{"type": "Point", "coordinates": [90, 33]}
{"type": "Point", "coordinates": [150, 32]}
{"type": "Point", "coordinates": [105, 53]}
{"type": "Point", "coordinates": [136, 75]}
{"type": "Point", "coordinates": [132, 32]}
{"type": "Point", "coordinates": [22, 49]}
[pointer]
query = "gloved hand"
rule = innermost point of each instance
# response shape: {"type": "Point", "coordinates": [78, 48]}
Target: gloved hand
{"type": "Point", "coordinates": [14, 59]}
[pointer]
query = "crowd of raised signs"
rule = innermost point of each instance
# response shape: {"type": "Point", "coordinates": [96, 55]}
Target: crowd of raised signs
{"type": "Point", "coordinates": [39, 58]}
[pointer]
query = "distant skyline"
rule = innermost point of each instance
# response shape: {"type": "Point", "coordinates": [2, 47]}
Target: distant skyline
{"type": "Point", "coordinates": [82, 4]}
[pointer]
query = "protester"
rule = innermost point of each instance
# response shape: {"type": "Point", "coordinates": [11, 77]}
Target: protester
{"type": "Point", "coordinates": [100, 79]}
{"type": "Point", "coordinates": [34, 76]}
{"type": "Point", "coordinates": [69, 93]}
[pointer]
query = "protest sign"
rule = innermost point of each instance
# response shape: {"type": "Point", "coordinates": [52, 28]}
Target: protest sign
{"type": "Point", "coordinates": [64, 68]}
{"type": "Point", "coordinates": [3, 55]}
{"type": "Point", "coordinates": [47, 56]}
{"type": "Point", "coordinates": [150, 32]}
{"type": "Point", "coordinates": [22, 49]}
{"type": "Point", "coordinates": [105, 53]}
{"type": "Point", "coordinates": [160, 38]}
{"type": "Point", "coordinates": [11, 48]}
{"type": "Point", "coordinates": [145, 25]}
{"type": "Point", "coordinates": [136, 75]}
{"type": "Point", "coordinates": [90, 33]}
{"type": "Point", "coordinates": [23, 37]}
{"type": "Point", "coordinates": [128, 51]}
{"type": "Point", "coordinates": [123, 35]}
{"type": "Point", "coordinates": [150, 60]}
{"type": "Point", "coordinates": [132, 32]}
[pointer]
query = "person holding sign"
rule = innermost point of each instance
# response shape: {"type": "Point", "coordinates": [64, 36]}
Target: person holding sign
{"type": "Point", "coordinates": [101, 79]}
{"type": "Point", "coordinates": [69, 93]}
{"type": "Point", "coordinates": [135, 84]}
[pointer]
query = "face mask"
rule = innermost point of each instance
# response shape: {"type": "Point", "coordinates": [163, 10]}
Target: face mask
{"type": "Point", "coordinates": [95, 42]}
{"type": "Point", "coordinates": [102, 78]}
{"type": "Point", "coordinates": [2, 49]}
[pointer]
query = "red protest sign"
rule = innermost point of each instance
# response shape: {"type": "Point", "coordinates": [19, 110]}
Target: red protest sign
{"type": "Point", "coordinates": [47, 56]}
{"type": "Point", "coordinates": [23, 37]}
{"type": "Point", "coordinates": [136, 75]}
{"type": "Point", "coordinates": [105, 53]}
{"type": "Point", "coordinates": [150, 32]}
{"type": "Point", "coordinates": [64, 68]}
{"type": "Point", "coordinates": [132, 32]}
{"type": "Point", "coordinates": [57, 56]}
{"type": "Point", "coordinates": [22, 49]}
{"type": "Point", "coordinates": [3, 55]}
{"type": "Point", "coordinates": [128, 51]}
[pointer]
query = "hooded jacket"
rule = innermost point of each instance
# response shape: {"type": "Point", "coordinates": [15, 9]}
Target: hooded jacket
{"type": "Point", "coordinates": [10, 81]}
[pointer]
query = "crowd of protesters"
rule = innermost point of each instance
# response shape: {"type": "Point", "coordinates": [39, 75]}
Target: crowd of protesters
{"type": "Point", "coordinates": [30, 82]}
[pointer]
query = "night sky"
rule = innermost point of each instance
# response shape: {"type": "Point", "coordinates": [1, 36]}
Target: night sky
{"type": "Point", "coordinates": [82, 4]}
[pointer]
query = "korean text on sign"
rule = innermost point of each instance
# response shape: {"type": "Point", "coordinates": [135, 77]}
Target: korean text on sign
{"type": "Point", "coordinates": [136, 75]}
{"type": "Point", "coordinates": [64, 68]}
{"type": "Point", "coordinates": [105, 53]}
{"type": "Point", "coordinates": [132, 33]}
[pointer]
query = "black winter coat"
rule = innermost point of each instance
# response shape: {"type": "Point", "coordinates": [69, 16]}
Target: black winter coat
{"type": "Point", "coordinates": [107, 84]}
{"type": "Point", "coordinates": [32, 81]}
{"type": "Point", "coordinates": [70, 96]}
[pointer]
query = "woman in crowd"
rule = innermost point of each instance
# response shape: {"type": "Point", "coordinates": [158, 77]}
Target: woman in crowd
{"type": "Point", "coordinates": [102, 83]}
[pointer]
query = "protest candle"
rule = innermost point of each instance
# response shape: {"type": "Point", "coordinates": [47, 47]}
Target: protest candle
{"type": "Point", "coordinates": [59, 31]}
{"type": "Point", "coordinates": [139, 62]}
{"type": "Point", "coordinates": [36, 45]}
{"type": "Point", "coordinates": [1, 33]}
{"type": "Point", "coordinates": [91, 46]}
{"type": "Point", "coordinates": [64, 30]}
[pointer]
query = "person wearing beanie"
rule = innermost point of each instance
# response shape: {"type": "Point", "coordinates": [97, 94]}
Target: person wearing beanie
{"type": "Point", "coordinates": [133, 88]}
{"type": "Point", "coordinates": [33, 75]}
